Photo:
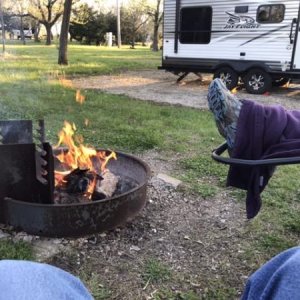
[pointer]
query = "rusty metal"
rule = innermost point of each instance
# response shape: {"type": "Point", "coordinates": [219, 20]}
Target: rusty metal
{"type": "Point", "coordinates": [45, 179]}
{"type": "Point", "coordinates": [17, 175]}
{"type": "Point", "coordinates": [70, 220]}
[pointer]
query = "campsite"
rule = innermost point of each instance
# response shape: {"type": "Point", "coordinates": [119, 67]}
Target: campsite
{"type": "Point", "coordinates": [171, 229]}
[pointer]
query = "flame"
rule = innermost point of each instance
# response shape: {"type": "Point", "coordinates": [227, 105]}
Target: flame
{"type": "Point", "coordinates": [86, 122]}
{"type": "Point", "coordinates": [79, 97]}
{"type": "Point", "coordinates": [91, 187]}
{"type": "Point", "coordinates": [80, 157]}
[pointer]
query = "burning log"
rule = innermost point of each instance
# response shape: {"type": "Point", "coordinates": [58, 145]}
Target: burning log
{"type": "Point", "coordinates": [78, 168]}
{"type": "Point", "coordinates": [106, 187]}
{"type": "Point", "coordinates": [79, 180]}
{"type": "Point", "coordinates": [84, 185]}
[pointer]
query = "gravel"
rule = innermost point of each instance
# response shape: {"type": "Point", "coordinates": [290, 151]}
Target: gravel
{"type": "Point", "coordinates": [161, 86]}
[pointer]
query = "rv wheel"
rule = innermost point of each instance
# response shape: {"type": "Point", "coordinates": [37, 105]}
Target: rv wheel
{"type": "Point", "coordinates": [228, 76]}
{"type": "Point", "coordinates": [257, 81]}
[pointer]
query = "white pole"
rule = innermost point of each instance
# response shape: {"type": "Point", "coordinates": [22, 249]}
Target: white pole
{"type": "Point", "coordinates": [3, 29]}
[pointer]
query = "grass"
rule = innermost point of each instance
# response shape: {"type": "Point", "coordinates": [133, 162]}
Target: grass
{"type": "Point", "coordinates": [156, 272]}
{"type": "Point", "coordinates": [31, 88]}
{"type": "Point", "coordinates": [15, 250]}
{"type": "Point", "coordinates": [92, 282]}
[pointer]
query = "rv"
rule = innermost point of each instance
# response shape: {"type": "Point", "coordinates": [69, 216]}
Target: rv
{"type": "Point", "coordinates": [256, 42]}
{"type": "Point", "coordinates": [16, 33]}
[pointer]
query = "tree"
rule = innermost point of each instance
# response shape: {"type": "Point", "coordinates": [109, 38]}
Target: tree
{"type": "Point", "coordinates": [46, 12]}
{"type": "Point", "coordinates": [20, 17]}
{"type": "Point", "coordinates": [157, 15]}
{"type": "Point", "coordinates": [87, 26]}
{"type": "Point", "coordinates": [134, 18]}
{"type": "Point", "coordinates": [63, 38]}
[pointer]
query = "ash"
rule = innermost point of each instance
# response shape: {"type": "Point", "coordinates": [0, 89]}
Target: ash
{"type": "Point", "coordinates": [125, 184]}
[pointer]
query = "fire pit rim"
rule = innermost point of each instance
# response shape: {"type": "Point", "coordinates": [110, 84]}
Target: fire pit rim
{"type": "Point", "coordinates": [145, 166]}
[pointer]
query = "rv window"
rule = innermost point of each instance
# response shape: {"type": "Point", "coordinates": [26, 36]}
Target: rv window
{"type": "Point", "coordinates": [241, 9]}
{"type": "Point", "coordinates": [270, 13]}
{"type": "Point", "coordinates": [195, 25]}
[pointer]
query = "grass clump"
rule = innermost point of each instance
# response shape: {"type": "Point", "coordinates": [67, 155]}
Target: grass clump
{"type": "Point", "coordinates": [93, 283]}
{"type": "Point", "coordinates": [156, 272]}
{"type": "Point", "coordinates": [15, 250]}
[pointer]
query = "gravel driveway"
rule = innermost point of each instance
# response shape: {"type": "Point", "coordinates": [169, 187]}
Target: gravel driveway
{"type": "Point", "coordinates": [161, 86]}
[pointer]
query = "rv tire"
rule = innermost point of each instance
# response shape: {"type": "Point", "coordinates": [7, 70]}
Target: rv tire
{"type": "Point", "coordinates": [228, 75]}
{"type": "Point", "coordinates": [257, 81]}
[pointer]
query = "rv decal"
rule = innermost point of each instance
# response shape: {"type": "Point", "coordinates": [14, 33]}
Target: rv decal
{"type": "Point", "coordinates": [240, 22]}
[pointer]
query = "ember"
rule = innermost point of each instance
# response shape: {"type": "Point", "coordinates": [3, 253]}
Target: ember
{"type": "Point", "coordinates": [81, 174]}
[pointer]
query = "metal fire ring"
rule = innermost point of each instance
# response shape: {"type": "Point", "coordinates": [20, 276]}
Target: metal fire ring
{"type": "Point", "coordinates": [72, 220]}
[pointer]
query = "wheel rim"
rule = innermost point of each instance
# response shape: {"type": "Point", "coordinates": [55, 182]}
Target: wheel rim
{"type": "Point", "coordinates": [256, 82]}
{"type": "Point", "coordinates": [226, 78]}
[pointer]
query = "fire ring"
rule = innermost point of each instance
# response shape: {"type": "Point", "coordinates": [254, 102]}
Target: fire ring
{"type": "Point", "coordinates": [77, 219]}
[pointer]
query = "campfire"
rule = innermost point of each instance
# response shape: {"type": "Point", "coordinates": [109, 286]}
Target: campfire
{"type": "Point", "coordinates": [70, 191]}
{"type": "Point", "coordinates": [81, 173]}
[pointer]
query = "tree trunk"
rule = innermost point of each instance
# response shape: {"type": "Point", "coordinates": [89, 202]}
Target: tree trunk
{"type": "Point", "coordinates": [22, 31]}
{"type": "Point", "coordinates": [157, 21]}
{"type": "Point", "coordinates": [155, 38]}
{"type": "Point", "coordinates": [48, 30]}
{"type": "Point", "coordinates": [37, 32]}
{"type": "Point", "coordinates": [63, 38]}
{"type": "Point", "coordinates": [132, 42]}
{"type": "Point", "coordinates": [3, 28]}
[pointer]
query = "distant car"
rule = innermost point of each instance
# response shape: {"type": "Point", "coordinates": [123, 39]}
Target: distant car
{"type": "Point", "coordinates": [17, 33]}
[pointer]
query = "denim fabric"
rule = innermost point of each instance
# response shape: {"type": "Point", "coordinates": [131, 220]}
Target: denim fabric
{"type": "Point", "coordinates": [278, 279]}
{"type": "Point", "coordinates": [25, 280]}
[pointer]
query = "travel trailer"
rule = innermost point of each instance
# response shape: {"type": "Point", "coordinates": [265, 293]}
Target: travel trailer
{"type": "Point", "coordinates": [16, 33]}
{"type": "Point", "coordinates": [256, 42]}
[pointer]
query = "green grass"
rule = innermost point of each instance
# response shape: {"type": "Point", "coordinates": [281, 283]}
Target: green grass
{"type": "Point", "coordinates": [156, 272]}
{"type": "Point", "coordinates": [92, 282]}
{"type": "Point", "coordinates": [15, 250]}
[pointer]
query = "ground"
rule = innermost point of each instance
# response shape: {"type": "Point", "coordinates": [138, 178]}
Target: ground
{"type": "Point", "coordinates": [196, 242]}
{"type": "Point", "coordinates": [160, 86]}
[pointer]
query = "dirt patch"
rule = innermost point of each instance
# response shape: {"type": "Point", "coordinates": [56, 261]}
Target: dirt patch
{"type": "Point", "coordinates": [197, 239]}
{"type": "Point", "coordinates": [161, 86]}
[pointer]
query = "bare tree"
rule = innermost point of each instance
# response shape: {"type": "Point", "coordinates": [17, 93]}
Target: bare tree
{"type": "Point", "coordinates": [47, 12]}
{"type": "Point", "coordinates": [63, 38]}
{"type": "Point", "coordinates": [135, 19]}
{"type": "Point", "coordinates": [157, 15]}
{"type": "Point", "coordinates": [19, 9]}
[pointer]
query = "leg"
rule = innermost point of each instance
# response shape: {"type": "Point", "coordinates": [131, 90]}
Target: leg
{"type": "Point", "coordinates": [278, 279]}
{"type": "Point", "coordinates": [29, 280]}
{"type": "Point", "coordinates": [226, 109]}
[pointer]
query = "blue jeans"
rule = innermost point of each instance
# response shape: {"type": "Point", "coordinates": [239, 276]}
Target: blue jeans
{"type": "Point", "coordinates": [25, 280]}
{"type": "Point", "coordinates": [278, 279]}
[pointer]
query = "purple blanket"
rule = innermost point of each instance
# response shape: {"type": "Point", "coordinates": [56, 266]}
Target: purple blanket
{"type": "Point", "coordinates": [262, 132]}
